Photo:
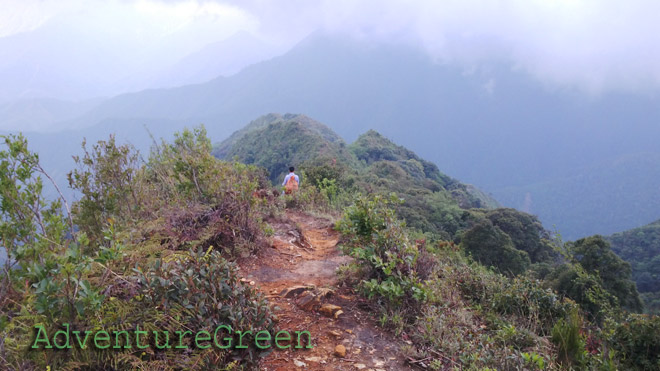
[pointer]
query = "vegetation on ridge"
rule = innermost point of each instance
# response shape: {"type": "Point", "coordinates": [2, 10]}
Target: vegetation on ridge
{"type": "Point", "coordinates": [152, 243]}
{"type": "Point", "coordinates": [641, 248]}
{"type": "Point", "coordinates": [150, 249]}
{"type": "Point", "coordinates": [574, 300]}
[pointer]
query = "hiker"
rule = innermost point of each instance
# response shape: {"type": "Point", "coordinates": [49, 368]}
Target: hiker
{"type": "Point", "coordinates": [291, 182]}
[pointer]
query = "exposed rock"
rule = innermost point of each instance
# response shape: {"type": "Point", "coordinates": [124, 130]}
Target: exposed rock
{"type": "Point", "coordinates": [324, 292]}
{"type": "Point", "coordinates": [308, 301]}
{"type": "Point", "coordinates": [299, 363]}
{"type": "Point", "coordinates": [329, 309]}
{"type": "Point", "coordinates": [340, 351]}
{"type": "Point", "coordinates": [293, 291]}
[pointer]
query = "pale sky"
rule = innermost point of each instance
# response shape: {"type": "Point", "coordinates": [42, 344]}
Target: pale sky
{"type": "Point", "coordinates": [595, 45]}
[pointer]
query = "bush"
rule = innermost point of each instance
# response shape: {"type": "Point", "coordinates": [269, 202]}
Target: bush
{"type": "Point", "coordinates": [47, 272]}
{"type": "Point", "coordinates": [207, 291]}
{"type": "Point", "coordinates": [570, 342]}
{"type": "Point", "coordinates": [106, 179]}
{"type": "Point", "coordinates": [596, 256]}
{"type": "Point", "coordinates": [162, 215]}
{"type": "Point", "coordinates": [491, 247]}
{"type": "Point", "coordinates": [636, 340]}
{"type": "Point", "coordinates": [376, 239]}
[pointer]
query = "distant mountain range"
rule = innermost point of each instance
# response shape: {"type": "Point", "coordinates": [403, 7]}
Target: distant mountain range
{"type": "Point", "coordinates": [539, 149]}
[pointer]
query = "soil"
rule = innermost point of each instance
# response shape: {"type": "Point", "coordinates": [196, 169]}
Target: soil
{"type": "Point", "coordinates": [298, 276]}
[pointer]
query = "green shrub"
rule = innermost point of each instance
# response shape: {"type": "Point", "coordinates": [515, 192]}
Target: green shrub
{"type": "Point", "coordinates": [183, 200]}
{"type": "Point", "coordinates": [596, 256]}
{"type": "Point", "coordinates": [46, 277]}
{"type": "Point", "coordinates": [375, 238]}
{"type": "Point", "coordinates": [490, 246]}
{"type": "Point", "coordinates": [636, 341]}
{"type": "Point", "coordinates": [209, 291]}
{"type": "Point", "coordinates": [106, 179]}
{"type": "Point", "coordinates": [566, 334]}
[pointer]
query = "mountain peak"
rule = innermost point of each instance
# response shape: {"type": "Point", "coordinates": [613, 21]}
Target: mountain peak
{"type": "Point", "coordinates": [277, 141]}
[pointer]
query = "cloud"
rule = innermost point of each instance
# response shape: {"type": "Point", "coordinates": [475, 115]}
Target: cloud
{"type": "Point", "coordinates": [593, 45]}
{"type": "Point", "coordinates": [22, 16]}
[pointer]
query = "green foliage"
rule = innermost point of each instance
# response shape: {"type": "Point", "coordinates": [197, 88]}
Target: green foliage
{"type": "Point", "coordinates": [208, 290]}
{"type": "Point", "coordinates": [490, 246]}
{"type": "Point", "coordinates": [594, 277]}
{"type": "Point", "coordinates": [434, 201]}
{"type": "Point", "coordinates": [307, 198]}
{"type": "Point", "coordinates": [106, 180]}
{"type": "Point", "coordinates": [483, 318]}
{"type": "Point", "coordinates": [641, 248]}
{"type": "Point", "coordinates": [34, 232]}
{"type": "Point", "coordinates": [636, 339]}
{"type": "Point", "coordinates": [572, 281]}
{"type": "Point", "coordinates": [185, 168]}
{"type": "Point", "coordinates": [280, 142]}
{"type": "Point", "coordinates": [375, 238]}
{"type": "Point", "coordinates": [319, 169]}
{"type": "Point", "coordinates": [46, 276]}
{"type": "Point", "coordinates": [135, 216]}
{"type": "Point", "coordinates": [570, 342]}
{"type": "Point", "coordinates": [533, 361]}
{"type": "Point", "coordinates": [595, 255]}
{"type": "Point", "coordinates": [525, 231]}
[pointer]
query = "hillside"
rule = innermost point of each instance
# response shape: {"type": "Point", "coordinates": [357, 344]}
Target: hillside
{"type": "Point", "coordinates": [505, 140]}
{"type": "Point", "coordinates": [276, 142]}
{"type": "Point", "coordinates": [433, 204]}
{"type": "Point", "coordinates": [178, 239]}
{"type": "Point", "coordinates": [641, 248]}
{"type": "Point", "coordinates": [433, 200]}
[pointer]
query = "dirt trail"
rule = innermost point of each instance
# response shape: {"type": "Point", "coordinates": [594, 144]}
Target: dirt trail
{"type": "Point", "coordinates": [298, 275]}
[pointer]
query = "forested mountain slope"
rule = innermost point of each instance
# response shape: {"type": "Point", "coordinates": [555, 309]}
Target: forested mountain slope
{"type": "Point", "coordinates": [641, 248]}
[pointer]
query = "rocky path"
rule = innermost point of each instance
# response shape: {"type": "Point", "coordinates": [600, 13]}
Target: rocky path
{"type": "Point", "coordinates": [298, 276]}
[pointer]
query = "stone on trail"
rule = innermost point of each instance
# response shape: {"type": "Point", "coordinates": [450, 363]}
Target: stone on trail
{"type": "Point", "coordinates": [308, 301]}
{"type": "Point", "coordinates": [340, 351]}
{"type": "Point", "coordinates": [292, 291]}
{"type": "Point", "coordinates": [329, 309]}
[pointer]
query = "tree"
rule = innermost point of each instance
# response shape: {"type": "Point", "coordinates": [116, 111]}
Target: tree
{"type": "Point", "coordinates": [490, 246]}
{"type": "Point", "coordinates": [45, 260]}
{"type": "Point", "coordinates": [526, 232]}
{"type": "Point", "coordinates": [596, 256]}
{"type": "Point", "coordinates": [105, 179]}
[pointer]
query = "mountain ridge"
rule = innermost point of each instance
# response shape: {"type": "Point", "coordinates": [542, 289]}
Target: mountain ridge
{"type": "Point", "coordinates": [491, 126]}
{"type": "Point", "coordinates": [371, 163]}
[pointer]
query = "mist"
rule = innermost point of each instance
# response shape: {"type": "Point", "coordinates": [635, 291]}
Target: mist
{"type": "Point", "coordinates": [521, 98]}
{"type": "Point", "coordinates": [105, 48]}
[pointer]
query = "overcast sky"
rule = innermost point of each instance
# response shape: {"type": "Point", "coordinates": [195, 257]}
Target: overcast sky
{"type": "Point", "coordinates": [595, 45]}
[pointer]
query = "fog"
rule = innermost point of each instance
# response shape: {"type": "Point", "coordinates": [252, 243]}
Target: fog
{"type": "Point", "coordinates": [78, 50]}
{"type": "Point", "coordinates": [530, 100]}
